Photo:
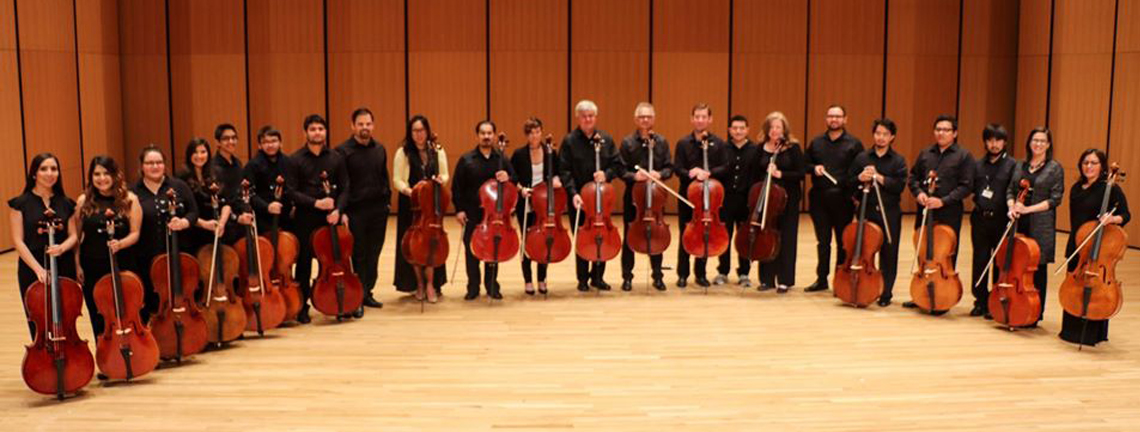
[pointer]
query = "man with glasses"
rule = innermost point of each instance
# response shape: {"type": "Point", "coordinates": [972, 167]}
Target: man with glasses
{"type": "Point", "coordinates": [830, 156]}
{"type": "Point", "coordinates": [227, 171]}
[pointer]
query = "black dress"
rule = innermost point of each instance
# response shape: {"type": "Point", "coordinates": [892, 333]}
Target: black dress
{"type": "Point", "coordinates": [32, 207]}
{"type": "Point", "coordinates": [94, 256]}
{"type": "Point", "coordinates": [1084, 206]}
{"type": "Point", "coordinates": [199, 237]}
{"type": "Point", "coordinates": [152, 234]}
{"type": "Point", "coordinates": [405, 275]}
{"type": "Point", "coordinates": [792, 165]}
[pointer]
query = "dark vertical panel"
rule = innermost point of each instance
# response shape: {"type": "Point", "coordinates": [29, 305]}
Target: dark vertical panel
{"type": "Point", "coordinates": [12, 167]}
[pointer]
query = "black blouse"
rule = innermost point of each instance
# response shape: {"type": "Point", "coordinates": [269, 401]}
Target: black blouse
{"type": "Point", "coordinates": [152, 235]}
{"type": "Point", "coordinates": [792, 165]}
{"type": "Point", "coordinates": [1084, 206]}
{"type": "Point", "coordinates": [32, 207]}
{"type": "Point", "coordinates": [94, 246]}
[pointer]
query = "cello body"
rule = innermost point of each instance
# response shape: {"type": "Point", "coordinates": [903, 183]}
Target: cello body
{"type": "Point", "coordinates": [337, 290]}
{"type": "Point", "coordinates": [286, 247]}
{"type": "Point", "coordinates": [262, 300]}
{"type": "Point", "coordinates": [1091, 291]}
{"type": "Point", "coordinates": [1014, 301]}
{"type": "Point", "coordinates": [935, 287]}
{"type": "Point", "coordinates": [225, 317]}
{"type": "Point", "coordinates": [425, 243]}
{"type": "Point", "coordinates": [548, 241]}
{"type": "Point", "coordinates": [495, 239]}
{"type": "Point", "coordinates": [178, 326]}
{"type": "Point", "coordinates": [705, 235]}
{"type": "Point", "coordinates": [126, 348]}
{"type": "Point", "coordinates": [759, 238]}
{"type": "Point", "coordinates": [857, 281]}
{"type": "Point", "coordinates": [648, 233]}
{"type": "Point", "coordinates": [597, 238]}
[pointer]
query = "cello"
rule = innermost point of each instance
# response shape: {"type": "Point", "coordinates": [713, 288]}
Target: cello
{"type": "Point", "coordinates": [935, 287]}
{"type": "Point", "coordinates": [1014, 301]}
{"type": "Point", "coordinates": [649, 199]}
{"type": "Point", "coordinates": [495, 239]}
{"type": "Point", "coordinates": [264, 306]}
{"type": "Point", "coordinates": [225, 316]}
{"type": "Point", "coordinates": [767, 201]}
{"type": "Point", "coordinates": [285, 248]}
{"type": "Point", "coordinates": [179, 326]}
{"type": "Point", "coordinates": [58, 361]}
{"type": "Point", "coordinates": [127, 348]}
{"type": "Point", "coordinates": [548, 241]}
{"type": "Point", "coordinates": [705, 235]}
{"type": "Point", "coordinates": [425, 243]}
{"type": "Point", "coordinates": [1091, 291]}
{"type": "Point", "coordinates": [857, 281]}
{"type": "Point", "coordinates": [597, 239]}
{"type": "Point", "coordinates": [338, 290]}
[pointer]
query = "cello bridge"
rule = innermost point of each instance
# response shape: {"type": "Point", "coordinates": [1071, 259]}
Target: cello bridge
{"type": "Point", "coordinates": [121, 332]}
{"type": "Point", "coordinates": [220, 298]}
{"type": "Point", "coordinates": [178, 309]}
{"type": "Point", "coordinates": [338, 273]}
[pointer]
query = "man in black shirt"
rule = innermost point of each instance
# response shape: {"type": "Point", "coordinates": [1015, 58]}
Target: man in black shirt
{"type": "Point", "coordinates": [887, 169]}
{"type": "Point", "coordinates": [830, 156]}
{"type": "Point", "coordinates": [368, 201]}
{"type": "Point", "coordinates": [314, 208]}
{"type": "Point", "coordinates": [227, 171]}
{"type": "Point", "coordinates": [955, 169]}
{"type": "Point", "coordinates": [578, 167]}
{"type": "Point", "coordinates": [741, 154]}
{"type": "Point", "coordinates": [690, 163]}
{"type": "Point", "coordinates": [262, 173]}
{"type": "Point", "coordinates": [990, 215]}
{"type": "Point", "coordinates": [635, 152]}
{"type": "Point", "coordinates": [473, 169]}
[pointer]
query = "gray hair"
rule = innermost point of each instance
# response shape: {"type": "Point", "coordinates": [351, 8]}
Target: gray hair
{"type": "Point", "coordinates": [585, 105]}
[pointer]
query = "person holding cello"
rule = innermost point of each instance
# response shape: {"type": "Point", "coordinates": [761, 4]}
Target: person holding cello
{"type": "Point", "coordinates": [43, 190]}
{"type": "Point", "coordinates": [741, 153]}
{"type": "Point", "coordinates": [151, 191]}
{"type": "Point", "coordinates": [1037, 217]}
{"type": "Point", "coordinates": [366, 161]}
{"type": "Point", "coordinates": [197, 173]}
{"type": "Point", "coordinates": [780, 154]}
{"type": "Point", "coordinates": [955, 169]}
{"type": "Point", "coordinates": [887, 168]}
{"type": "Point", "coordinates": [689, 162]}
{"type": "Point", "coordinates": [262, 172]}
{"type": "Point", "coordinates": [1087, 198]}
{"type": "Point", "coordinates": [532, 167]}
{"type": "Point", "coordinates": [991, 213]}
{"type": "Point", "coordinates": [313, 208]}
{"type": "Point", "coordinates": [409, 167]}
{"type": "Point", "coordinates": [635, 152]}
{"type": "Point", "coordinates": [474, 168]}
{"type": "Point", "coordinates": [830, 155]}
{"type": "Point", "coordinates": [227, 170]}
{"type": "Point", "coordinates": [576, 163]}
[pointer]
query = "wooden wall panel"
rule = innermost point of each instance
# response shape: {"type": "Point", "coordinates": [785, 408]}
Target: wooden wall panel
{"type": "Point", "coordinates": [287, 65]}
{"type": "Point", "coordinates": [207, 72]}
{"type": "Point", "coordinates": [989, 70]}
{"type": "Point", "coordinates": [99, 80]}
{"type": "Point", "coordinates": [1082, 65]}
{"type": "Point", "coordinates": [529, 65]}
{"type": "Point", "coordinates": [51, 104]}
{"type": "Point", "coordinates": [609, 62]}
{"type": "Point", "coordinates": [366, 68]}
{"type": "Point", "coordinates": [12, 166]}
{"type": "Point", "coordinates": [1032, 66]}
{"type": "Point", "coordinates": [922, 72]}
{"type": "Point", "coordinates": [447, 69]}
{"type": "Point", "coordinates": [769, 63]}
{"type": "Point", "coordinates": [1126, 109]}
{"type": "Point", "coordinates": [146, 102]}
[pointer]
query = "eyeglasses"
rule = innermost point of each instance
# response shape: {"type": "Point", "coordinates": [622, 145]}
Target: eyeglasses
{"type": "Point", "coordinates": [943, 130]}
{"type": "Point", "coordinates": [229, 138]}
{"type": "Point", "coordinates": [154, 163]}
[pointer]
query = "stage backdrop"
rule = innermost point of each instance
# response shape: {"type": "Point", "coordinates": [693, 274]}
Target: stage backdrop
{"type": "Point", "coordinates": [86, 77]}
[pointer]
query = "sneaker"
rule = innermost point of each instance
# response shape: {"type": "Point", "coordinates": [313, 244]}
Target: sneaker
{"type": "Point", "coordinates": [720, 279]}
{"type": "Point", "coordinates": [744, 282]}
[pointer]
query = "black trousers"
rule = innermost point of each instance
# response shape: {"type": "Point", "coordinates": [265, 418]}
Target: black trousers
{"type": "Point", "coordinates": [699, 265]}
{"type": "Point", "coordinates": [369, 228]}
{"type": "Point", "coordinates": [830, 213]}
{"type": "Point", "coordinates": [586, 270]}
{"type": "Point", "coordinates": [782, 270]}
{"type": "Point", "coordinates": [735, 210]}
{"type": "Point", "coordinates": [985, 233]}
{"type": "Point", "coordinates": [490, 270]}
{"type": "Point", "coordinates": [526, 261]}
{"type": "Point", "coordinates": [889, 254]}
{"type": "Point", "coordinates": [629, 213]}
{"type": "Point", "coordinates": [307, 222]}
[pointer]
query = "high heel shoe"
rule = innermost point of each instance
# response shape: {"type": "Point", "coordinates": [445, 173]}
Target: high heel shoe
{"type": "Point", "coordinates": [529, 289]}
{"type": "Point", "coordinates": [542, 288]}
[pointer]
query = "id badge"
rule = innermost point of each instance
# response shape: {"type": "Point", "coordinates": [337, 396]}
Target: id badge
{"type": "Point", "coordinates": [988, 193]}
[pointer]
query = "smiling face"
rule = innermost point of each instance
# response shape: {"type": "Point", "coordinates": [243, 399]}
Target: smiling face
{"type": "Point", "coordinates": [738, 130]}
{"type": "Point", "coordinates": [419, 133]}
{"type": "Point", "coordinates": [362, 127]}
{"type": "Point", "coordinates": [1039, 144]}
{"type": "Point", "coordinates": [48, 173]}
{"type": "Point", "coordinates": [154, 166]}
{"type": "Point", "coordinates": [587, 120]}
{"type": "Point", "coordinates": [270, 144]}
{"type": "Point", "coordinates": [486, 136]}
{"type": "Point", "coordinates": [228, 142]}
{"type": "Point", "coordinates": [1091, 167]}
{"type": "Point", "coordinates": [316, 133]}
{"type": "Point", "coordinates": [102, 179]}
{"type": "Point", "coordinates": [944, 133]}
{"type": "Point", "coordinates": [200, 157]}
{"type": "Point", "coordinates": [700, 120]}
{"type": "Point", "coordinates": [836, 119]}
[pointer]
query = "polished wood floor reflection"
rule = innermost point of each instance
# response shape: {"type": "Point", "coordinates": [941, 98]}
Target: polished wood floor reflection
{"type": "Point", "coordinates": [730, 359]}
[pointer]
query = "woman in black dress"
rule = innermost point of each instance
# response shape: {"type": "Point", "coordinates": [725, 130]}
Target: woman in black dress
{"type": "Point", "coordinates": [408, 168]}
{"type": "Point", "coordinates": [1037, 218]}
{"type": "Point", "coordinates": [151, 191]}
{"type": "Point", "coordinates": [43, 189]}
{"type": "Point", "coordinates": [1085, 198]}
{"type": "Point", "coordinates": [788, 172]}
{"type": "Point", "coordinates": [106, 189]}
{"type": "Point", "coordinates": [531, 166]}
{"type": "Point", "coordinates": [196, 173]}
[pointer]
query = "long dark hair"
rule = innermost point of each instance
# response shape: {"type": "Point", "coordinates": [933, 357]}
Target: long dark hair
{"type": "Point", "coordinates": [34, 167]}
{"type": "Point", "coordinates": [409, 143]}
{"type": "Point", "coordinates": [118, 187]}
{"type": "Point", "coordinates": [192, 148]}
{"type": "Point", "coordinates": [1101, 156]}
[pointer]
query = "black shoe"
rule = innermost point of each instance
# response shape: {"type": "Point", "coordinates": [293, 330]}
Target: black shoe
{"type": "Point", "coordinates": [627, 285]}
{"type": "Point", "coordinates": [764, 287]}
{"type": "Point", "coordinates": [372, 302]}
{"type": "Point", "coordinates": [359, 312]}
{"type": "Point", "coordinates": [600, 285]}
{"type": "Point", "coordinates": [909, 305]}
{"type": "Point", "coordinates": [583, 287]}
{"type": "Point", "coordinates": [988, 316]}
{"type": "Point", "coordinates": [101, 376]}
{"type": "Point", "coordinates": [818, 285]}
{"type": "Point", "coordinates": [495, 295]}
{"type": "Point", "coordinates": [977, 311]}
{"type": "Point", "coordinates": [471, 295]}
{"type": "Point", "coordinates": [681, 283]}
{"type": "Point", "coordinates": [884, 302]}
{"type": "Point", "coordinates": [703, 282]}
{"type": "Point", "coordinates": [659, 284]}
{"type": "Point", "coordinates": [303, 315]}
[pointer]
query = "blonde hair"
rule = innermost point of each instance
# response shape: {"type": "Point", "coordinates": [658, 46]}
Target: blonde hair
{"type": "Point", "coordinates": [776, 115]}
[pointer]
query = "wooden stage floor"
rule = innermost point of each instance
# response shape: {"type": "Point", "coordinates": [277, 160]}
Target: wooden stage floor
{"type": "Point", "coordinates": [642, 361]}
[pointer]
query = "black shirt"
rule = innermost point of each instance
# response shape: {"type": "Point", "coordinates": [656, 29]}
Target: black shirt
{"type": "Point", "coordinates": [152, 235]}
{"type": "Point", "coordinates": [892, 166]}
{"type": "Point", "coordinates": [576, 160]}
{"type": "Point", "coordinates": [303, 184]}
{"type": "Point", "coordinates": [94, 225]}
{"type": "Point", "coordinates": [993, 176]}
{"type": "Point", "coordinates": [741, 169]}
{"type": "Point", "coordinates": [367, 166]}
{"type": "Point", "coordinates": [262, 172]}
{"type": "Point", "coordinates": [32, 208]}
{"type": "Point", "coordinates": [472, 170]}
{"type": "Point", "coordinates": [836, 157]}
{"type": "Point", "coordinates": [521, 162]}
{"type": "Point", "coordinates": [955, 168]}
{"type": "Point", "coordinates": [790, 162]}
{"type": "Point", "coordinates": [689, 155]}
{"type": "Point", "coordinates": [634, 153]}
{"type": "Point", "coordinates": [229, 175]}
{"type": "Point", "coordinates": [1084, 207]}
